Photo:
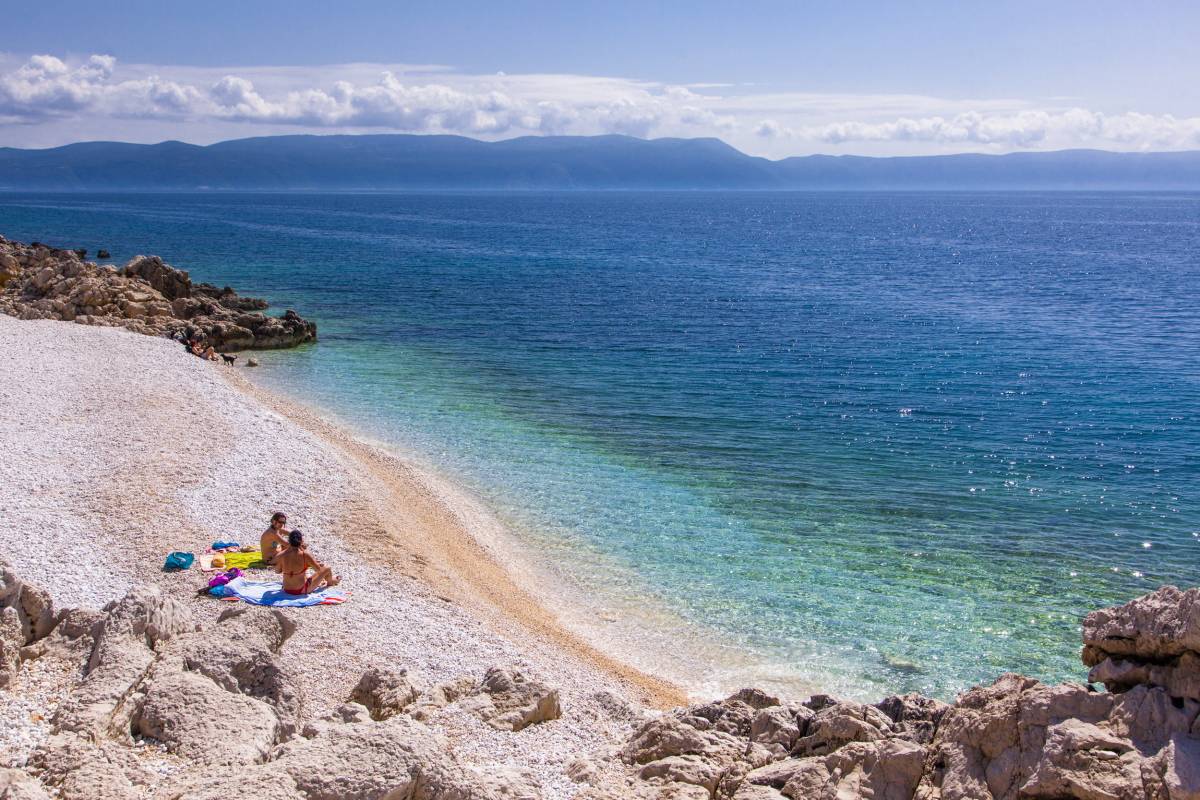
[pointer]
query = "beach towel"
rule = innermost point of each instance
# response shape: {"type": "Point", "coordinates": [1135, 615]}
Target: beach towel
{"type": "Point", "coordinates": [219, 545]}
{"type": "Point", "coordinates": [177, 561]}
{"type": "Point", "coordinates": [251, 560]}
{"type": "Point", "coordinates": [271, 593]}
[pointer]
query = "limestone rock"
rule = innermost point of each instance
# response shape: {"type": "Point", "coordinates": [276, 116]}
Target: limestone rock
{"type": "Point", "coordinates": [913, 716]}
{"type": "Point", "coordinates": [1082, 760]}
{"type": "Point", "coordinates": [12, 639]}
{"type": "Point", "coordinates": [124, 651]}
{"type": "Point", "coordinates": [501, 783]}
{"type": "Point", "coordinates": [881, 770]}
{"type": "Point", "coordinates": [777, 728]}
{"type": "Point", "coordinates": [257, 785]}
{"type": "Point", "coordinates": [1178, 768]}
{"type": "Point", "coordinates": [32, 605]}
{"type": "Point", "coordinates": [510, 701]}
{"type": "Point", "coordinates": [145, 296]}
{"type": "Point", "coordinates": [77, 768]}
{"type": "Point", "coordinates": [240, 654]}
{"type": "Point", "coordinates": [16, 785]}
{"type": "Point", "coordinates": [1155, 627]}
{"type": "Point", "coordinates": [396, 758]}
{"type": "Point", "coordinates": [1180, 676]}
{"type": "Point", "coordinates": [842, 723]}
{"type": "Point", "coordinates": [385, 692]}
{"type": "Point", "coordinates": [171, 283]}
{"type": "Point", "coordinates": [199, 721]}
{"type": "Point", "coordinates": [1148, 717]}
{"type": "Point", "coordinates": [438, 697]}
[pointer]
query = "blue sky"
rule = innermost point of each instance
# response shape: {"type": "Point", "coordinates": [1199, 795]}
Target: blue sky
{"type": "Point", "coordinates": [773, 79]}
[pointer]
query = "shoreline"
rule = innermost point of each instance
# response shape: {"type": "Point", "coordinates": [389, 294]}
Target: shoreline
{"type": "Point", "coordinates": [125, 448]}
{"type": "Point", "coordinates": [680, 659]}
{"type": "Point", "coordinates": [446, 554]}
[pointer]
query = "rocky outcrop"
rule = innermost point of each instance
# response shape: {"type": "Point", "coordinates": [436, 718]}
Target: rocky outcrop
{"type": "Point", "coordinates": [1015, 739]}
{"type": "Point", "coordinates": [220, 698]}
{"type": "Point", "coordinates": [26, 615]}
{"type": "Point", "coordinates": [1154, 641]}
{"type": "Point", "coordinates": [146, 295]}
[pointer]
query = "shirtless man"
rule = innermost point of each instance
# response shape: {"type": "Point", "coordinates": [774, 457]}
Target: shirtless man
{"type": "Point", "coordinates": [295, 562]}
{"type": "Point", "coordinates": [274, 538]}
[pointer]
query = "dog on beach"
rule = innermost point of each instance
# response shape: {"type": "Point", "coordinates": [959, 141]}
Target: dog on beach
{"type": "Point", "coordinates": [228, 359]}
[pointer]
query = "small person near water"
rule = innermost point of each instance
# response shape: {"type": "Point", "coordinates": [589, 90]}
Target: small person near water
{"type": "Point", "coordinates": [274, 539]}
{"type": "Point", "coordinates": [295, 562]}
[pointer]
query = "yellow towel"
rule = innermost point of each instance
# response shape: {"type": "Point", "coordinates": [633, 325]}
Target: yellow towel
{"type": "Point", "coordinates": [251, 560]}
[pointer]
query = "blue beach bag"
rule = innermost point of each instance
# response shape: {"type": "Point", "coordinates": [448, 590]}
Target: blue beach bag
{"type": "Point", "coordinates": [177, 561]}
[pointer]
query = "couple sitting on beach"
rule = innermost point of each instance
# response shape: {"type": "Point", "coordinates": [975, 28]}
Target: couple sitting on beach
{"type": "Point", "coordinates": [285, 550]}
{"type": "Point", "coordinates": [200, 350]}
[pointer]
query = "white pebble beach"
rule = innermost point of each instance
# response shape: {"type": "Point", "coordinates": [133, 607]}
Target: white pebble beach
{"type": "Point", "coordinates": [119, 448]}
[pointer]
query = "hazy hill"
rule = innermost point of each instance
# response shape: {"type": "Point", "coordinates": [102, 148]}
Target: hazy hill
{"type": "Point", "coordinates": [558, 162]}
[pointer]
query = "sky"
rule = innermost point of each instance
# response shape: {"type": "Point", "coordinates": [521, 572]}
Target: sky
{"type": "Point", "coordinates": [774, 79]}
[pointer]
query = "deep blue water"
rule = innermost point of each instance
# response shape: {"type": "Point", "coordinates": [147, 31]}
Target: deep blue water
{"type": "Point", "coordinates": [875, 441]}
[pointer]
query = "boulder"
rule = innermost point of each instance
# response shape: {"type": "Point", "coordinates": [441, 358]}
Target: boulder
{"type": "Point", "coordinates": [914, 716]}
{"type": "Point", "coordinates": [171, 283]}
{"type": "Point", "coordinates": [777, 728]}
{"type": "Point", "coordinates": [1156, 627]}
{"type": "Point", "coordinates": [438, 697]}
{"type": "Point", "coordinates": [78, 768]}
{"type": "Point", "coordinates": [385, 692]}
{"type": "Point", "coordinates": [125, 642]}
{"type": "Point", "coordinates": [881, 770]}
{"type": "Point", "coordinates": [507, 700]}
{"type": "Point", "coordinates": [257, 785]}
{"type": "Point", "coordinates": [1082, 760]}
{"type": "Point", "coordinates": [399, 758]}
{"type": "Point", "coordinates": [16, 785]}
{"type": "Point", "coordinates": [32, 604]}
{"type": "Point", "coordinates": [199, 721]}
{"type": "Point", "coordinates": [240, 654]}
{"type": "Point", "coordinates": [842, 723]}
{"type": "Point", "coordinates": [1177, 769]}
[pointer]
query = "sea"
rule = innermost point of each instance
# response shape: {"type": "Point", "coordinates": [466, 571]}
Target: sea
{"type": "Point", "coordinates": [858, 443]}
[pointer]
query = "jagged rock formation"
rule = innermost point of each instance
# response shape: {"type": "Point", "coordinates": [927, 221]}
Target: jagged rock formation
{"type": "Point", "coordinates": [146, 295]}
{"type": "Point", "coordinates": [221, 697]}
{"type": "Point", "coordinates": [1015, 739]}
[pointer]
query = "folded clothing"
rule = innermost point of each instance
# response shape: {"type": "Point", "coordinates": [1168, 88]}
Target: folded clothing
{"type": "Point", "coordinates": [271, 593]}
{"type": "Point", "coordinates": [219, 545]}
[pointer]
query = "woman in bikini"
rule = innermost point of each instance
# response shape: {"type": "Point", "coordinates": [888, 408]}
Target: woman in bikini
{"type": "Point", "coordinates": [295, 562]}
{"type": "Point", "coordinates": [274, 538]}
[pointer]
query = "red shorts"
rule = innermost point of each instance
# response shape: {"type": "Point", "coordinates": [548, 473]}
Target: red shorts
{"type": "Point", "coordinates": [303, 589]}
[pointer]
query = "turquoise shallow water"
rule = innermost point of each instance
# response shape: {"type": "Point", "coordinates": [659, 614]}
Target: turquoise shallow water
{"type": "Point", "coordinates": [872, 441]}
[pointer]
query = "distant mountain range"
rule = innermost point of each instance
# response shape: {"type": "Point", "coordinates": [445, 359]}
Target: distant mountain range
{"type": "Point", "coordinates": [409, 162]}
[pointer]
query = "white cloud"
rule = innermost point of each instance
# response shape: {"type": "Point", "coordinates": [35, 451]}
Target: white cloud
{"type": "Point", "coordinates": [48, 100]}
{"type": "Point", "coordinates": [1023, 130]}
{"type": "Point", "coordinates": [45, 87]}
